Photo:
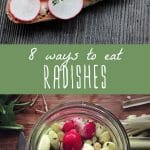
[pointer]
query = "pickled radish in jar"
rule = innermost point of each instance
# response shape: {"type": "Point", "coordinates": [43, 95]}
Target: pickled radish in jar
{"type": "Point", "coordinates": [44, 143]}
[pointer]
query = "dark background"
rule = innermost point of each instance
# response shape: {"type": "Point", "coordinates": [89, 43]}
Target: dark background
{"type": "Point", "coordinates": [111, 21]}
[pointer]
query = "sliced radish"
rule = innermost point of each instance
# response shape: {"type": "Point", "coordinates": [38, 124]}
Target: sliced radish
{"type": "Point", "coordinates": [25, 10]}
{"type": "Point", "coordinates": [65, 9]}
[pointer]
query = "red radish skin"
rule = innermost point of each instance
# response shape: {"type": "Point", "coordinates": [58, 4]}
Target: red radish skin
{"type": "Point", "coordinates": [22, 6]}
{"type": "Point", "coordinates": [39, 17]}
{"type": "Point", "coordinates": [68, 126]}
{"type": "Point", "coordinates": [89, 130]}
{"type": "Point", "coordinates": [72, 140]}
{"type": "Point", "coordinates": [60, 10]}
{"type": "Point", "coordinates": [86, 130]}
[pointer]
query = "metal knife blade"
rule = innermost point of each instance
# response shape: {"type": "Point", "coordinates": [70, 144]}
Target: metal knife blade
{"type": "Point", "coordinates": [21, 141]}
{"type": "Point", "coordinates": [138, 143]}
{"type": "Point", "coordinates": [136, 102]}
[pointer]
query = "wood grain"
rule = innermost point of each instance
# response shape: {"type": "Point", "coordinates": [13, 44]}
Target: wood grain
{"type": "Point", "coordinates": [8, 140]}
{"type": "Point", "coordinates": [110, 21]}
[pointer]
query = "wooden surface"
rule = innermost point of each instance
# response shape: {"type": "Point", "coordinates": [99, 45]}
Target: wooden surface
{"type": "Point", "coordinates": [111, 21]}
{"type": "Point", "coordinates": [8, 140]}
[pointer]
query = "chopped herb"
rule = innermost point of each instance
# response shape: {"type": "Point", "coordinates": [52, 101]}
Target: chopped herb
{"type": "Point", "coordinates": [54, 2]}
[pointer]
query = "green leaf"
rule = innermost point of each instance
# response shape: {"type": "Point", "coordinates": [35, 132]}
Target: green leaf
{"type": "Point", "coordinates": [2, 110]}
{"type": "Point", "coordinates": [9, 106]}
{"type": "Point", "coordinates": [7, 112]}
{"type": "Point", "coordinates": [9, 117]}
{"type": "Point", "coordinates": [3, 99]}
{"type": "Point", "coordinates": [14, 127]}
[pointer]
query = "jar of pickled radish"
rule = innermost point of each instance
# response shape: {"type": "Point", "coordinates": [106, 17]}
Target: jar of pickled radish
{"type": "Point", "coordinates": [78, 126]}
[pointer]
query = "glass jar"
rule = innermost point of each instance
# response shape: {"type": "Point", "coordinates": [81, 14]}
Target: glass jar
{"type": "Point", "coordinates": [83, 110]}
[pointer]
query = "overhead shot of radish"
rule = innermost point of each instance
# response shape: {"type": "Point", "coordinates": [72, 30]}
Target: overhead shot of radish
{"type": "Point", "coordinates": [33, 11]}
{"type": "Point", "coordinates": [25, 10]}
{"type": "Point", "coordinates": [65, 9]}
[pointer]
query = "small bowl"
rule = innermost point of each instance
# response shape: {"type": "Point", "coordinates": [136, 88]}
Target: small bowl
{"type": "Point", "coordinates": [84, 110]}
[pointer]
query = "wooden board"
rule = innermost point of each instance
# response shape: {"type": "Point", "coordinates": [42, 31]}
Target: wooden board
{"type": "Point", "coordinates": [112, 21]}
{"type": "Point", "coordinates": [8, 140]}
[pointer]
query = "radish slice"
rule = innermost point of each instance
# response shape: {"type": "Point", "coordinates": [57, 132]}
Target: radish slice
{"type": "Point", "coordinates": [25, 10]}
{"type": "Point", "coordinates": [65, 9]}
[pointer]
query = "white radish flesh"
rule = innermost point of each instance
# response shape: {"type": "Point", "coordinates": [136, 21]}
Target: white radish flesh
{"type": "Point", "coordinates": [25, 10]}
{"type": "Point", "coordinates": [65, 9]}
{"type": "Point", "coordinates": [44, 143]}
{"type": "Point", "coordinates": [87, 147]}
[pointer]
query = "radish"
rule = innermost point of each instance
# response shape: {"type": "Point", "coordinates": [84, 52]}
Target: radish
{"type": "Point", "coordinates": [25, 10]}
{"type": "Point", "coordinates": [89, 130]}
{"type": "Point", "coordinates": [72, 140]}
{"type": "Point", "coordinates": [68, 126]}
{"type": "Point", "coordinates": [65, 9]}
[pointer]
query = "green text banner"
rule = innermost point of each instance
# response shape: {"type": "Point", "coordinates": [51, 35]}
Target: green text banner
{"type": "Point", "coordinates": [75, 69]}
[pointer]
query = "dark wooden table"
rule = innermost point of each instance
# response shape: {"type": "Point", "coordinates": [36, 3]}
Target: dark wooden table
{"type": "Point", "coordinates": [8, 140]}
{"type": "Point", "coordinates": [111, 21]}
